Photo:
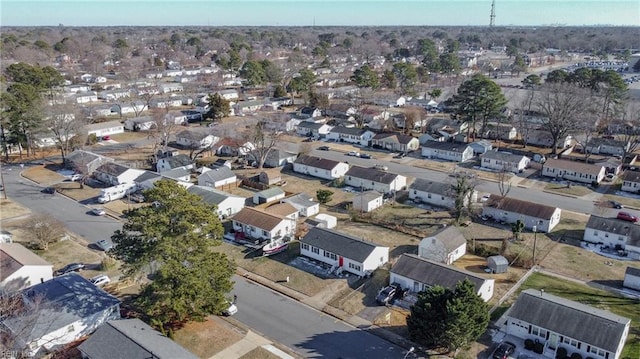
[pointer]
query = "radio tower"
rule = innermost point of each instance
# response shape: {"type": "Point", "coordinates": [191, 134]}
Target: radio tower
{"type": "Point", "coordinates": [492, 17]}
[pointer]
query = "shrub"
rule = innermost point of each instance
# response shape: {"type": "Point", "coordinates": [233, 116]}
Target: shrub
{"type": "Point", "coordinates": [538, 348]}
{"type": "Point", "coordinates": [528, 344]}
{"type": "Point", "coordinates": [107, 263]}
{"type": "Point", "coordinates": [561, 353]}
{"type": "Point", "coordinates": [576, 356]}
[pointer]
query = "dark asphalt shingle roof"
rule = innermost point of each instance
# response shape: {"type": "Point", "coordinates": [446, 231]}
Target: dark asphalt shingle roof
{"type": "Point", "coordinates": [631, 176]}
{"type": "Point", "coordinates": [147, 175]}
{"type": "Point", "coordinates": [586, 324]}
{"type": "Point", "coordinates": [502, 156]}
{"type": "Point", "coordinates": [317, 162]}
{"type": "Point", "coordinates": [616, 226]}
{"type": "Point", "coordinates": [447, 146]}
{"type": "Point", "coordinates": [425, 185]}
{"type": "Point", "coordinates": [348, 131]}
{"type": "Point", "coordinates": [218, 174]}
{"type": "Point", "coordinates": [371, 174]}
{"type": "Point", "coordinates": [633, 271]}
{"type": "Point", "coordinates": [210, 195]}
{"type": "Point", "coordinates": [131, 339]}
{"type": "Point", "coordinates": [526, 208]}
{"type": "Point", "coordinates": [112, 168]}
{"type": "Point", "coordinates": [339, 243]}
{"type": "Point", "coordinates": [432, 273]}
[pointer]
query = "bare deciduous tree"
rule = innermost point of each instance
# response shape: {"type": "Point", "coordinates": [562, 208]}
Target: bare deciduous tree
{"type": "Point", "coordinates": [504, 182]}
{"type": "Point", "coordinates": [263, 140]}
{"type": "Point", "coordinates": [66, 126]}
{"type": "Point", "coordinates": [44, 230]}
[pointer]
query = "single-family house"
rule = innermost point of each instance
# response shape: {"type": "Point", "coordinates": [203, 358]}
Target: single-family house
{"type": "Point", "coordinates": [543, 138]}
{"type": "Point", "coordinates": [426, 137]}
{"type": "Point", "coordinates": [310, 112]}
{"type": "Point", "coordinates": [181, 174]}
{"type": "Point", "coordinates": [85, 162]}
{"type": "Point", "coordinates": [275, 158]}
{"type": "Point", "coordinates": [374, 179]}
{"type": "Point", "coordinates": [632, 278]}
{"type": "Point", "coordinates": [438, 194]}
{"type": "Point", "coordinates": [232, 147]}
{"type": "Point", "coordinates": [481, 146]}
{"type": "Point", "coordinates": [217, 177]}
{"type": "Point", "coordinates": [113, 174]}
{"type": "Point", "coordinates": [21, 268]}
{"type": "Point", "coordinates": [131, 339]}
{"type": "Point", "coordinates": [195, 139]}
{"type": "Point", "coordinates": [268, 195]}
{"type": "Point", "coordinates": [631, 182]}
{"type": "Point", "coordinates": [172, 162]}
{"type": "Point", "coordinates": [541, 217]}
{"type": "Point", "coordinates": [147, 179]}
{"type": "Point", "coordinates": [449, 151]}
{"type": "Point", "coordinates": [452, 127]}
{"type": "Point", "coordinates": [126, 108]}
{"type": "Point", "coordinates": [614, 233]}
{"type": "Point", "coordinates": [226, 204]}
{"type": "Point", "coordinates": [284, 210]}
{"type": "Point", "coordinates": [418, 274]}
{"type": "Point", "coordinates": [446, 245]}
{"type": "Point", "coordinates": [322, 220]}
{"type": "Point", "coordinates": [86, 97]}
{"type": "Point", "coordinates": [367, 201]}
{"type": "Point", "coordinates": [221, 162]}
{"type": "Point", "coordinates": [166, 102]}
{"type": "Point", "coordinates": [504, 161]}
{"type": "Point", "coordinates": [243, 108]}
{"type": "Point", "coordinates": [607, 146]}
{"type": "Point", "coordinates": [112, 95]}
{"type": "Point", "coordinates": [576, 171]}
{"type": "Point", "coordinates": [611, 165]}
{"type": "Point", "coordinates": [58, 312]}
{"type": "Point", "coordinates": [270, 176]}
{"type": "Point", "coordinates": [143, 123]}
{"type": "Point", "coordinates": [357, 136]}
{"type": "Point", "coordinates": [275, 103]}
{"type": "Point", "coordinates": [167, 87]}
{"type": "Point", "coordinates": [500, 131]}
{"type": "Point", "coordinates": [320, 167]}
{"type": "Point", "coordinates": [303, 203]}
{"type": "Point", "coordinates": [395, 142]}
{"type": "Point", "coordinates": [108, 128]}
{"type": "Point", "coordinates": [343, 252]}
{"type": "Point", "coordinates": [559, 323]}
{"type": "Point", "coordinates": [229, 94]}
{"type": "Point", "coordinates": [313, 129]}
{"type": "Point", "coordinates": [251, 224]}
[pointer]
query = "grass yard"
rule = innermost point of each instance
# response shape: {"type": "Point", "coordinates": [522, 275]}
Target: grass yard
{"type": "Point", "coordinates": [42, 175]}
{"type": "Point", "coordinates": [625, 307]}
{"type": "Point", "coordinates": [629, 201]}
{"type": "Point", "coordinates": [574, 190]}
{"type": "Point", "coordinates": [10, 209]}
{"type": "Point", "coordinates": [205, 339]}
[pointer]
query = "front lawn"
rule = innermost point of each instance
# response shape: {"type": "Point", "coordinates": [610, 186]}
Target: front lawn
{"type": "Point", "coordinates": [573, 190]}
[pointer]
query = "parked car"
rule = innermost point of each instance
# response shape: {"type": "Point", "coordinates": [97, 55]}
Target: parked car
{"type": "Point", "coordinates": [49, 190]}
{"type": "Point", "coordinates": [626, 216]}
{"type": "Point", "coordinates": [365, 155]}
{"type": "Point", "coordinates": [400, 155]}
{"type": "Point", "coordinates": [616, 205]}
{"type": "Point", "coordinates": [353, 153]}
{"type": "Point", "coordinates": [71, 267]}
{"type": "Point", "coordinates": [231, 310]}
{"type": "Point", "coordinates": [106, 138]}
{"type": "Point", "coordinates": [381, 167]}
{"type": "Point", "coordinates": [610, 177]}
{"type": "Point", "coordinates": [104, 244]}
{"type": "Point", "coordinates": [98, 211]}
{"type": "Point", "coordinates": [387, 294]}
{"type": "Point", "coordinates": [75, 177]}
{"type": "Point", "coordinates": [308, 139]}
{"type": "Point", "coordinates": [324, 148]}
{"type": "Point", "coordinates": [503, 350]}
{"type": "Point", "coordinates": [100, 280]}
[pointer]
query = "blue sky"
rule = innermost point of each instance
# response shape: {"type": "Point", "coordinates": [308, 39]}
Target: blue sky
{"type": "Point", "coordinates": [320, 13]}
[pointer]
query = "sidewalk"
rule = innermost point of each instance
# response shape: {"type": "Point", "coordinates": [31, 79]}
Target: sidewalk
{"type": "Point", "coordinates": [250, 342]}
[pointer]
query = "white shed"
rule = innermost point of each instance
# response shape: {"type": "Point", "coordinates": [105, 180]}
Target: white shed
{"type": "Point", "coordinates": [632, 278]}
{"type": "Point", "coordinates": [367, 201]}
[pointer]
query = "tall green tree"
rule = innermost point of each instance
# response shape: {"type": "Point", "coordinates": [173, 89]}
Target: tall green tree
{"type": "Point", "coordinates": [406, 75]}
{"type": "Point", "coordinates": [532, 81]}
{"type": "Point", "coordinates": [366, 77]}
{"type": "Point", "coordinates": [449, 319]}
{"type": "Point", "coordinates": [388, 80]}
{"type": "Point", "coordinates": [253, 73]}
{"type": "Point", "coordinates": [429, 52]}
{"type": "Point", "coordinates": [172, 242]}
{"type": "Point", "coordinates": [218, 107]}
{"type": "Point", "coordinates": [303, 82]}
{"type": "Point", "coordinates": [518, 65]}
{"type": "Point", "coordinates": [479, 99]}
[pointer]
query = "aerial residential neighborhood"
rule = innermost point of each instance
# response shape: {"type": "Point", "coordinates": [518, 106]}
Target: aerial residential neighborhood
{"type": "Point", "coordinates": [320, 191]}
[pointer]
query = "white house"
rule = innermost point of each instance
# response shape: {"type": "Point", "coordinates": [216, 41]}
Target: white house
{"type": "Point", "coordinates": [631, 182]}
{"type": "Point", "coordinates": [63, 310]}
{"type": "Point", "coordinates": [167, 87]}
{"type": "Point", "coordinates": [449, 151]}
{"type": "Point", "coordinates": [113, 174]}
{"type": "Point", "coordinates": [498, 161]}
{"type": "Point", "coordinates": [173, 162]}
{"type": "Point", "coordinates": [576, 171]}
{"type": "Point", "coordinates": [229, 95]}
{"type": "Point", "coordinates": [417, 274]}
{"type": "Point", "coordinates": [395, 142]}
{"type": "Point", "coordinates": [435, 193]}
{"type": "Point", "coordinates": [303, 203]}
{"type": "Point", "coordinates": [268, 195]}
{"type": "Point", "coordinates": [195, 139]}
{"type": "Point", "coordinates": [226, 204]}
{"type": "Point", "coordinates": [320, 167]}
{"type": "Point", "coordinates": [253, 224]}
{"type": "Point", "coordinates": [543, 138]}
{"type": "Point", "coordinates": [510, 210]}
{"type": "Point", "coordinates": [86, 97]}
{"type": "Point", "coordinates": [313, 129]}
{"type": "Point", "coordinates": [350, 135]}
{"type": "Point", "coordinates": [375, 179]}
{"type": "Point", "coordinates": [144, 123]}
{"type": "Point", "coordinates": [501, 131]}
{"type": "Point", "coordinates": [217, 177]}
{"type": "Point", "coordinates": [632, 278]}
{"type": "Point", "coordinates": [104, 128]}
{"type": "Point", "coordinates": [243, 108]}
{"type": "Point", "coordinates": [614, 233]}
{"type": "Point", "coordinates": [606, 146]}
{"type": "Point", "coordinates": [446, 245]}
{"type": "Point", "coordinates": [343, 252]}
{"type": "Point", "coordinates": [367, 201]}
{"type": "Point", "coordinates": [21, 268]}
{"type": "Point", "coordinates": [561, 323]}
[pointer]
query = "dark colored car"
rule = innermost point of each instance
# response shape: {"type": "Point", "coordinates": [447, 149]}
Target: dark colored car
{"type": "Point", "coordinates": [387, 294]}
{"type": "Point", "coordinates": [49, 190]}
{"type": "Point", "coordinates": [616, 205]}
{"type": "Point", "coordinates": [324, 148]}
{"type": "Point", "coordinates": [71, 267]}
{"type": "Point", "coordinates": [503, 350]}
{"type": "Point", "coordinates": [365, 155]}
{"type": "Point", "coordinates": [626, 216]}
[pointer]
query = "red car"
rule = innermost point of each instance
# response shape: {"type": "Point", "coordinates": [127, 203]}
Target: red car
{"type": "Point", "coordinates": [626, 216]}
{"type": "Point", "coordinates": [106, 138]}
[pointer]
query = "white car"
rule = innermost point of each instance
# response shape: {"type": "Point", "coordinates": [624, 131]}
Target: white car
{"type": "Point", "coordinates": [98, 211]}
{"type": "Point", "coordinates": [353, 153]}
{"type": "Point", "coordinates": [100, 280]}
{"type": "Point", "coordinates": [231, 310]}
{"type": "Point", "coordinates": [104, 244]}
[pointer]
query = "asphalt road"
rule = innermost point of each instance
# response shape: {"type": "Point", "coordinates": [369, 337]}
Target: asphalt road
{"type": "Point", "coordinates": [74, 215]}
{"type": "Point", "coordinates": [310, 333]}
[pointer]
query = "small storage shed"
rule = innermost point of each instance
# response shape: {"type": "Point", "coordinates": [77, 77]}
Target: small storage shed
{"type": "Point", "coordinates": [632, 278]}
{"type": "Point", "coordinates": [268, 195]}
{"type": "Point", "coordinates": [498, 264]}
{"type": "Point", "coordinates": [326, 221]}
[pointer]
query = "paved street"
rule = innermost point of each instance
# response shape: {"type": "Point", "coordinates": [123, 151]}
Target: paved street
{"type": "Point", "coordinates": [311, 333]}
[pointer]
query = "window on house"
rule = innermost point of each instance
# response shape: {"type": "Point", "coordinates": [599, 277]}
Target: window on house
{"type": "Point", "coordinates": [70, 329]}
{"type": "Point", "coordinates": [315, 250]}
{"type": "Point", "coordinates": [595, 233]}
{"type": "Point", "coordinates": [354, 266]}
{"type": "Point", "coordinates": [606, 235]}
{"type": "Point", "coordinates": [265, 233]}
{"type": "Point", "coordinates": [429, 195]}
{"type": "Point", "coordinates": [330, 255]}
{"type": "Point", "coordinates": [539, 332]}
{"type": "Point", "coordinates": [305, 246]}
{"type": "Point", "coordinates": [620, 238]}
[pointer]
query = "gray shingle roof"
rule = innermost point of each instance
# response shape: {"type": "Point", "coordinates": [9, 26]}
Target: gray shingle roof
{"type": "Point", "coordinates": [178, 161]}
{"type": "Point", "coordinates": [131, 339]}
{"type": "Point", "coordinates": [176, 173]}
{"type": "Point", "coordinates": [581, 322]}
{"type": "Point", "coordinates": [433, 273]}
{"type": "Point", "coordinates": [616, 226]}
{"type": "Point", "coordinates": [218, 174]}
{"type": "Point", "coordinates": [300, 200]}
{"type": "Point", "coordinates": [270, 192]}
{"type": "Point", "coordinates": [310, 125]}
{"type": "Point", "coordinates": [348, 131]}
{"type": "Point", "coordinates": [447, 146]}
{"type": "Point", "coordinates": [147, 175]}
{"type": "Point", "coordinates": [631, 176]}
{"type": "Point", "coordinates": [425, 185]}
{"type": "Point", "coordinates": [577, 166]}
{"type": "Point", "coordinates": [317, 162]}
{"type": "Point", "coordinates": [451, 237]}
{"type": "Point", "coordinates": [366, 196]}
{"type": "Point", "coordinates": [210, 195]}
{"type": "Point", "coordinates": [502, 156]}
{"type": "Point", "coordinates": [371, 174]}
{"type": "Point", "coordinates": [632, 271]}
{"type": "Point", "coordinates": [519, 206]}
{"type": "Point", "coordinates": [339, 243]}
{"type": "Point", "coordinates": [112, 168]}
{"type": "Point", "coordinates": [192, 135]}
{"type": "Point", "coordinates": [393, 137]}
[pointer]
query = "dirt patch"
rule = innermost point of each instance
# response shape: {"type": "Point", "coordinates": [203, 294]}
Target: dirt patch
{"type": "Point", "coordinates": [394, 319]}
{"type": "Point", "coordinates": [10, 209]}
{"type": "Point", "coordinates": [205, 339]}
{"type": "Point", "coordinates": [259, 353]}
